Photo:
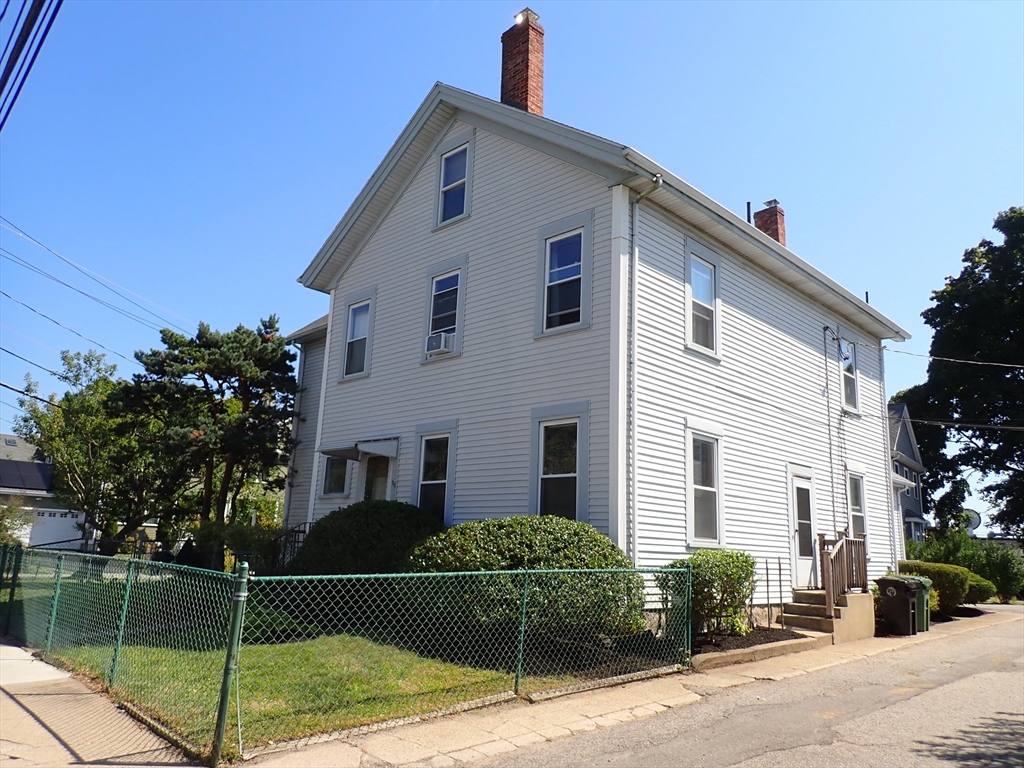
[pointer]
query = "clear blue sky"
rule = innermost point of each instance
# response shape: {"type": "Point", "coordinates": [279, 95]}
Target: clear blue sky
{"type": "Point", "coordinates": [199, 153]}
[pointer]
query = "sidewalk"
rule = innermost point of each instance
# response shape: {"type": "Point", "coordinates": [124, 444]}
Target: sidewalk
{"type": "Point", "coordinates": [50, 719]}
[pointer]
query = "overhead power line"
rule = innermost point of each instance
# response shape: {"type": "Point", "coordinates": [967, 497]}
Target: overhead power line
{"type": "Point", "coordinates": [96, 277]}
{"type": "Point", "coordinates": [70, 330]}
{"type": "Point", "coordinates": [28, 394]}
{"type": "Point", "coordinates": [12, 405]}
{"type": "Point", "coordinates": [13, 257]}
{"type": "Point", "coordinates": [29, 41]}
{"type": "Point", "coordinates": [950, 359]}
{"type": "Point", "coordinates": [37, 365]}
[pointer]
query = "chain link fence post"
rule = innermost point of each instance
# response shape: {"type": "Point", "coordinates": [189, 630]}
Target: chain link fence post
{"type": "Point", "coordinates": [53, 603]}
{"type": "Point", "coordinates": [231, 659]}
{"type": "Point", "coordinates": [688, 648]}
{"type": "Point", "coordinates": [119, 641]}
{"type": "Point", "coordinates": [14, 585]}
{"type": "Point", "coordinates": [522, 632]}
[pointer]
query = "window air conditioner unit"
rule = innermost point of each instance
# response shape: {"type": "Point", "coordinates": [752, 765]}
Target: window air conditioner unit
{"type": "Point", "coordinates": [440, 343]}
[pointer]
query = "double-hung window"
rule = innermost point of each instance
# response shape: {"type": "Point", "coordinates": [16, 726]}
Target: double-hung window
{"type": "Point", "coordinates": [357, 334]}
{"type": "Point", "coordinates": [559, 468]}
{"type": "Point", "coordinates": [454, 178]}
{"type": "Point", "coordinates": [433, 489]}
{"type": "Point", "coordinates": [446, 287]}
{"type": "Point", "coordinates": [454, 167]}
{"type": "Point", "coordinates": [559, 460]}
{"type": "Point", "coordinates": [913, 479]}
{"type": "Point", "coordinates": [704, 480]}
{"type": "Point", "coordinates": [564, 271]}
{"type": "Point", "coordinates": [434, 475]}
{"type": "Point", "coordinates": [858, 519]}
{"type": "Point", "coordinates": [848, 362]}
{"type": "Point", "coordinates": [703, 308]}
{"type": "Point", "coordinates": [336, 476]}
{"type": "Point", "coordinates": [564, 274]}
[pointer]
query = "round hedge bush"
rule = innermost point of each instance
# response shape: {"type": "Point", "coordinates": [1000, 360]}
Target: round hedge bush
{"type": "Point", "coordinates": [366, 537]}
{"type": "Point", "coordinates": [979, 589]}
{"type": "Point", "coordinates": [950, 580]}
{"type": "Point", "coordinates": [598, 603]}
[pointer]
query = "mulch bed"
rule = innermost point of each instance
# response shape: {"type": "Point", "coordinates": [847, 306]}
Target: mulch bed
{"type": "Point", "coordinates": [759, 636]}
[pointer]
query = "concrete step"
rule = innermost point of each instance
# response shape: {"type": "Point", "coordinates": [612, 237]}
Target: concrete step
{"type": "Point", "coordinates": [817, 623]}
{"type": "Point", "coordinates": [810, 609]}
{"type": "Point", "coordinates": [809, 596]}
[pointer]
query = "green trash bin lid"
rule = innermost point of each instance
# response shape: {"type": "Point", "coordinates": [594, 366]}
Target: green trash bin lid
{"type": "Point", "coordinates": [926, 583]}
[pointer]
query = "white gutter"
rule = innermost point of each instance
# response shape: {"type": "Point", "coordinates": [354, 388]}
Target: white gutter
{"type": "Point", "coordinates": [633, 294]}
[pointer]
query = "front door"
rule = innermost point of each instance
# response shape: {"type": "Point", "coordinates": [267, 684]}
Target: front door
{"type": "Point", "coordinates": [378, 469]}
{"type": "Point", "coordinates": [803, 533]}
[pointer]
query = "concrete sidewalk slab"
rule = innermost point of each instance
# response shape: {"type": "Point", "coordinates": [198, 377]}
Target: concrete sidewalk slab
{"type": "Point", "coordinates": [51, 719]}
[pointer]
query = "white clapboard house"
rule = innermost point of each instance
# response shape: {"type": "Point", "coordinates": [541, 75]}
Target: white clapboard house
{"type": "Point", "coordinates": [529, 319]}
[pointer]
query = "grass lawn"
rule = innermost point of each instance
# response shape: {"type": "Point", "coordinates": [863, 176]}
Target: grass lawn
{"type": "Point", "coordinates": [291, 690]}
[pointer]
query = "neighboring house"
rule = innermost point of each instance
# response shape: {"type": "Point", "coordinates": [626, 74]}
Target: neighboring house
{"type": "Point", "coordinates": [27, 480]}
{"type": "Point", "coordinates": [529, 319]}
{"type": "Point", "coordinates": [907, 470]}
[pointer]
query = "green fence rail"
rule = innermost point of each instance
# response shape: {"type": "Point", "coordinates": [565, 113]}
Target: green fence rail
{"type": "Point", "coordinates": [232, 665]}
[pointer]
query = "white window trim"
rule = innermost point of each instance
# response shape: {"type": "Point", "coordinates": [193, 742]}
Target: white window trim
{"type": "Point", "coordinates": [324, 494]}
{"type": "Point", "coordinates": [584, 223]}
{"type": "Point", "coordinates": [447, 428]}
{"type": "Point", "coordinates": [368, 296]}
{"type": "Point", "coordinates": [453, 143]}
{"type": "Point", "coordinates": [857, 471]}
{"type": "Point", "coordinates": [562, 414]}
{"type": "Point", "coordinates": [842, 374]}
{"type": "Point", "coordinates": [460, 265]}
{"type": "Point", "coordinates": [705, 254]}
{"type": "Point", "coordinates": [705, 430]}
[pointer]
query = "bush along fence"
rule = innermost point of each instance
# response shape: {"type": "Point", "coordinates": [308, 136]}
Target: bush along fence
{"type": "Point", "coordinates": [232, 665]}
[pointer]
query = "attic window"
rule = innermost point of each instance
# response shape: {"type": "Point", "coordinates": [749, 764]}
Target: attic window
{"type": "Point", "coordinates": [453, 184]}
{"type": "Point", "coordinates": [10, 441]}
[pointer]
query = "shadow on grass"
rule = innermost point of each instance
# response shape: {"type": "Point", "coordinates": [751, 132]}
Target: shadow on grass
{"type": "Point", "coordinates": [992, 742]}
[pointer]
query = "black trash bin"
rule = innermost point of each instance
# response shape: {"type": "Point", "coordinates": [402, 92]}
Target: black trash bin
{"type": "Point", "coordinates": [899, 603]}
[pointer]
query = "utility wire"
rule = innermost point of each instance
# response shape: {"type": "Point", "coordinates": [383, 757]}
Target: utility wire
{"type": "Point", "coordinates": [28, 394]}
{"type": "Point", "coordinates": [72, 330]}
{"type": "Point", "coordinates": [37, 365]}
{"type": "Point", "coordinates": [106, 282]}
{"type": "Point", "coordinates": [53, 10]}
{"type": "Point", "coordinates": [4, 253]}
{"type": "Point", "coordinates": [37, 342]}
{"type": "Point", "coordinates": [12, 405]}
{"type": "Point", "coordinates": [948, 359]}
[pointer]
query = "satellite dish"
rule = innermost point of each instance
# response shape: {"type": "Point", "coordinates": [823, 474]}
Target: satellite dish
{"type": "Point", "coordinates": [974, 521]}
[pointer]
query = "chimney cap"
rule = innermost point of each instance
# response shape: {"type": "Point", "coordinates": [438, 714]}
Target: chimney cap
{"type": "Point", "coordinates": [773, 203]}
{"type": "Point", "coordinates": [526, 15]}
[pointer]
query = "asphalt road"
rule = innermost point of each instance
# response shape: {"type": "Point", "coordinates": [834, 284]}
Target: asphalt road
{"type": "Point", "coordinates": [956, 701]}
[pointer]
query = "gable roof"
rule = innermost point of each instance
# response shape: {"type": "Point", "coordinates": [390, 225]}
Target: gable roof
{"type": "Point", "coordinates": [901, 431]}
{"type": "Point", "coordinates": [312, 330]}
{"type": "Point", "coordinates": [620, 163]}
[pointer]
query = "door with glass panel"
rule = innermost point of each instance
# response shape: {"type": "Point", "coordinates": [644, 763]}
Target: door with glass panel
{"type": "Point", "coordinates": [802, 519]}
{"type": "Point", "coordinates": [378, 472]}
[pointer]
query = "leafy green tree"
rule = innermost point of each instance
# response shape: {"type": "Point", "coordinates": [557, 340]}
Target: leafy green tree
{"type": "Point", "coordinates": [13, 518]}
{"type": "Point", "coordinates": [103, 462]}
{"type": "Point", "coordinates": [977, 316]}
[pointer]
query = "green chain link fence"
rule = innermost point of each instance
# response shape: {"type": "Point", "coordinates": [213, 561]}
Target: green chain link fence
{"type": "Point", "coordinates": [236, 665]}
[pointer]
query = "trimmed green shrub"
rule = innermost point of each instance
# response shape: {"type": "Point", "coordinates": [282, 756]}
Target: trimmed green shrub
{"type": "Point", "coordinates": [950, 580]}
{"type": "Point", "coordinates": [1003, 566]}
{"type": "Point", "coordinates": [933, 600]}
{"type": "Point", "coordinates": [603, 603]}
{"type": "Point", "coordinates": [979, 590]}
{"type": "Point", "coordinates": [723, 582]}
{"type": "Point", "coordinates": [366, 537]}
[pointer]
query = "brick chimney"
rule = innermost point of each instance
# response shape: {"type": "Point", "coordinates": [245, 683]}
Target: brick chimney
{"type": "Point", "coordinates": [772, 221]}
{"type": "Point", "coordinates": [522, 64]}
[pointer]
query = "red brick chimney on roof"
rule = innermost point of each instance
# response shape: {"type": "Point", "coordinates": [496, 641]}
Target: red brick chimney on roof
{"type": "Point", "coordinates": [772, 221]}
{"type": "Point", "coordinates": [522, 64]}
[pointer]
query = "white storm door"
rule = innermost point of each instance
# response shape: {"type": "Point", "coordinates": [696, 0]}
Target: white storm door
{"type": "Point", "coordinates": [802, 518]}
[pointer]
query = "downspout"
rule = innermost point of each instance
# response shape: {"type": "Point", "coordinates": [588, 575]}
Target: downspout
{"type": "Point", "coordinates": [633, 293]}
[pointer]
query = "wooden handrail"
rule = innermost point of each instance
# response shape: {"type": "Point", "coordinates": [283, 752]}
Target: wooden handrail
{"type": "Point", "coordinates": [844, 567]}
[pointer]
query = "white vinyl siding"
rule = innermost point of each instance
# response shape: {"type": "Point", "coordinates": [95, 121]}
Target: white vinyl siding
{"type": "Point", "coordinates": [768, 394]}
{"type": "Point", "coordinates": [304, 457]}
{"type": "Point", "coordinates": [504, 372]}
